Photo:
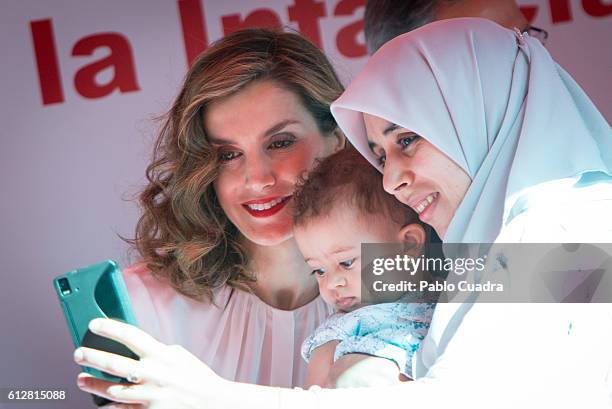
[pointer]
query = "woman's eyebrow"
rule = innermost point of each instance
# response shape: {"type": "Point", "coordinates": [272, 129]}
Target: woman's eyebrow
{"type": "Point", "coordinates": [218, 141]}
{"type": "Point", "coordinates": [392, 127]}
{"type": "Point", "coordinates": [271, 131]}
{"type": "Point", "coordinates": [279, 126]}
{"type": "Point", "coordinates": [372, 146]}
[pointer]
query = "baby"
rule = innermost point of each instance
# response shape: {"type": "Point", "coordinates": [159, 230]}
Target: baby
{"type": "Point", "coordinates": [340, 205]}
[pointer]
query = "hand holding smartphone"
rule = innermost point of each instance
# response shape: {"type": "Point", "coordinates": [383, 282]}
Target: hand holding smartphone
{"type": "Point", "coordinates": [97, 291]}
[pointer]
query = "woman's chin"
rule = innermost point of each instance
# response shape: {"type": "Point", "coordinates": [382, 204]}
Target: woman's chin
{"type": "Point", "coordinates": [272, 237]}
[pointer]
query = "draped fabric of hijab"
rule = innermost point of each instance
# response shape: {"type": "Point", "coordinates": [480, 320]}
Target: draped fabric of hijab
{"type": "Point", "coordinates": [491, 99]}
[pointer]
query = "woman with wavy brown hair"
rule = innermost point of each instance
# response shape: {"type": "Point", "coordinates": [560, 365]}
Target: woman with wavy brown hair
{"type": "Point", "coordinates": [220, 272]}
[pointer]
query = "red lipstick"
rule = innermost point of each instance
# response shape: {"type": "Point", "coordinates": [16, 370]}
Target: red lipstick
{"type": "Point", "coordinates": [281, 203]}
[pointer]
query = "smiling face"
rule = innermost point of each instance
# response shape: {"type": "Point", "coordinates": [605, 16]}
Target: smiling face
{"type": "Point", "coordinates": [331, 246]}
{"type": "Point", "coordinates": [417, 173]}
{"type": "Point", "coordinates": [266, 139]}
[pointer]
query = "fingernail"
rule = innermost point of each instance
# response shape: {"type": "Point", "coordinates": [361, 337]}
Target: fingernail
{"type": "Point", "coordinates": [78, 354]}
{"type": "Point", "coordinates": [95, 324]}
{"type": "Point", "coordinates": [81, 381]}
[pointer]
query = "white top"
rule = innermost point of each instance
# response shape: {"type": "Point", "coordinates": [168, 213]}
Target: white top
{"type": "Point", "coordinates": [241, 338]}
{"type": "Point", "coordinates": [541, 347]}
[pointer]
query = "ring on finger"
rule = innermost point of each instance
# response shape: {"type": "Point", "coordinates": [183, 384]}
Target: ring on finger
{"type": "Point", "coordinates": [134, 377]}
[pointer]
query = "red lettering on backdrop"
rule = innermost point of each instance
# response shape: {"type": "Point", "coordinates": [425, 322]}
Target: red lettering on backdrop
{"type": "Point", "coordinates": [346, 40]}
{"type": "Point", "coordinates": [46, 62]}
{"type": "Point", "coordinates": [596, 8]}
{"type": "Point", "coordinates": [258, 18]}
{"type": "Point", "coordinates": [307, 13]}
{"type": "Point", "coordinates": [529, 12]}
{"type": "Point", "coordinates": [193, 24]}
{"type": "Point", "coordinates": [120, 59]}
{"type": "Point", "coordinates": [560, 11]}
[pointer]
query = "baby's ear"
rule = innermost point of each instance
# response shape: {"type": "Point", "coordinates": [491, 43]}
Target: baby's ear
{"type": "Point", "coordinates": [413, 237]}
{"type": "Point", "coordinates": [412, 234]}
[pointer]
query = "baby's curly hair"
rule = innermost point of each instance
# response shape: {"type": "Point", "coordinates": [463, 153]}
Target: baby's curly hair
{"type": "Point", "coordinates": [346, 177]}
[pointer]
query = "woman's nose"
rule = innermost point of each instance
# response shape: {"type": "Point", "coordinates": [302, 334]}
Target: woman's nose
{"type": "Point", "coordinates": [259, 174]}
{"type": "Point", "coordinates": [397, 176]}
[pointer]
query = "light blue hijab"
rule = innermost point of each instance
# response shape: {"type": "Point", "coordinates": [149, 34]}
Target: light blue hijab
{"type": "Point", "coordinates": [491, 99]}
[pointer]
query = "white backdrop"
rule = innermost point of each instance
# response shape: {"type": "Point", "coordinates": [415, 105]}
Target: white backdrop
{"type": "Point", "coordinates": [76, 139]}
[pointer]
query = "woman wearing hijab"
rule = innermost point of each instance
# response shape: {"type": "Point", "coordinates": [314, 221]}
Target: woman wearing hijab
{"type": "Point", "coordinates": [507, 117]}
{"type": "Point", "coordinates": [489, 140]}
{"type": "Point", "coordinates": [477, 129]}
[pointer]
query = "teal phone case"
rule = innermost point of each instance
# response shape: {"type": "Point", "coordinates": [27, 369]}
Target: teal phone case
{"type": "Point", "coordinates": [93, 292]}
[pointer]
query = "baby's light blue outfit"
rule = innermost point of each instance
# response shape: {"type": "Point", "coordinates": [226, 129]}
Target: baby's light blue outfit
{"type": "Point", "coordinates": [390, 330]}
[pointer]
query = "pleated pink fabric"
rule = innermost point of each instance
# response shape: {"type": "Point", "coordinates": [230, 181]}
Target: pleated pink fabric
{"type": "Point", "coordinates": [241, 338]}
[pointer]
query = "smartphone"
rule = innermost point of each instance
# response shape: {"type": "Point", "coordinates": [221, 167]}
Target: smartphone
{"type": "Point", "coordinates": [97, 291]}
